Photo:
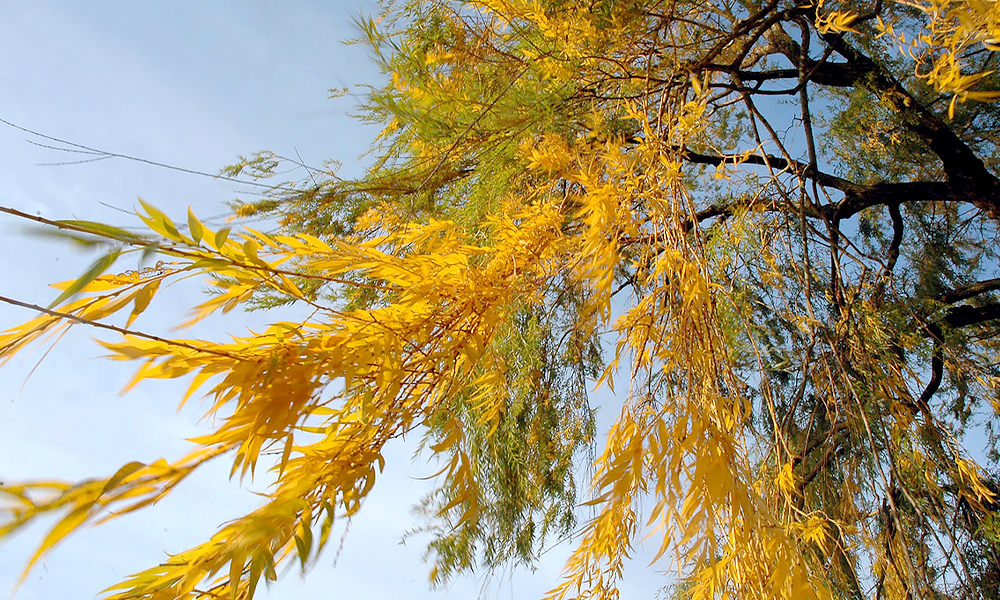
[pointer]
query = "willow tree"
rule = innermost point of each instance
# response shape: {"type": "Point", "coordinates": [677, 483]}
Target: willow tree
{"type": "Point", "coordinates": [770, 228]}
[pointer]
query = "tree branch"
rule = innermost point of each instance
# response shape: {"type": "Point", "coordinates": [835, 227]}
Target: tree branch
{"type": "Point", "coordinates": [892, 254]}
{"type": "Point", "coordinates": [937, 370]}
{"type": "Point", "coordinates": [861, 197]}
{"type": "Point", "coordinates": [823, 73]}
{"type": "Point", "coordinates": [777, 162]}
{"type": "Point", "coordinates": [121, 330]}
{"type": "Point", "coordinates": [960, 163]}
{"type": "Point", "coordinates": [969, 291]}
{"type": "Point", "coordinates": [961, 316]}
{"type": "Point", "coordinates": [858, 197]}
{"type": "Point", "coordinates": [963, 168]}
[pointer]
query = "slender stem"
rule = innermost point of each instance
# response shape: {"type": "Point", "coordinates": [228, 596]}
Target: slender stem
{"type": "Point", "coordinates": [121, 330]}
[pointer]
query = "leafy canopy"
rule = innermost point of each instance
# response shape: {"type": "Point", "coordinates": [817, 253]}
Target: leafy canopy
{"type": "Point", "coordinates": [769, 226]}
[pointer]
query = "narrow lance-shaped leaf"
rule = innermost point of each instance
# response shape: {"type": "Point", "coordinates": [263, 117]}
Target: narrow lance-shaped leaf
{"type": "Point", "coordinates": [93, 272]}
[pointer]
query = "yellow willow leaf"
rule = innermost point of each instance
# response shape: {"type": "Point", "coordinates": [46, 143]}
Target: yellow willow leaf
{"type": "Point", "coordinates": [250, 247]}
{"type": "Point", "coordinates": [142, 299]}
{"type": "Point", "coordinates": [97, 268]}
{"type": "Point", "coordinates": [837, 22]}
{"type": "Point", "coordinates": [286, 454]}
{"type": "Point", "coordinates": [694, 525]}
{"type": "Point", "coordinates": [64, 527]}
{"type": "Point", "coordinates": [304, 537]}
{"type": "Point", "coordinates": [263, 239]}
{"type": "Point", "coordinates": [195, 227]}
{"type": "Point", "coordinates": [551, 154]}
{"type": "Point", "coordinates": [136, 348]}
{"type": "Point", "coordinates": [196, 383]}
{"type": "Point", "coordinates": [103, 230]}
{"type": "Point", "coordinates": [121, 474]}
{"type": "Point", "coordinates": [236, 566]}
{"type": "Point", "coordinates": [100, 284]}
{"type": "Point", "coordinates": [786, 479]}
{"type": "Point", "coordinates": [99, 308]}
{"type": "Point", "coordinates": [159, 222]}
{"type": "Point", "coordinates": [316, 244]}
{"type": "Point", "coordinates": [814, 531]}
{"type": "Point", "coordinates": [289, 287]}
{"type": "Point", "coordinates": [983, 96]}
{"type": "Point", "coordinates": [220, 239]}
{"type": "Point", "coordinates": [779, 578]}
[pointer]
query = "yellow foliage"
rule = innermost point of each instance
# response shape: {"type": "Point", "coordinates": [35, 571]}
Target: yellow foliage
{"type": "Point", "coordinates": [954, 29]}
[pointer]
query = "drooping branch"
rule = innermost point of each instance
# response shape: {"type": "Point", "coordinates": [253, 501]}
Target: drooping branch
{"type": "Point", "coordinates": [958, 316]}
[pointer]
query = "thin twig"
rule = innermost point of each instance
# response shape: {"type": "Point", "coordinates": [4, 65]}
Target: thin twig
{"type": "Point", "coordinates": [121, 330]}
{"type": "Point", "coordinates": [106, 154]}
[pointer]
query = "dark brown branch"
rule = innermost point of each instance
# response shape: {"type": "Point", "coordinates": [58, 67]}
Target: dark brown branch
{"type": "Point", "coordinates": [963, 168]}
{"type": "Point", "coordinates": [960, 163]}
{"type": "Point", "coordinates": [858, 197]}
{"type": "Point", "coordinates": [892, 254]}
{"type": "Point", "coordinates": [910, 191]}
{"type": "Point", "coordinates": [752, 27]}
{"type": "Point", "coordinates": [958, 316]}
{"type": "Point", "coordinates": [961, 316]}
{"type": "Point", "coordinates": [969, 291]}
{"type": "Point", "coordinates": [822, 73]}
{"type": "Point", "coordinates": [832, 74]}
{"type": "Point", "coordinates": [766, 75]}
{"type": "Point", "coordinates": [777, 162]}
{"type": "Point", "coordinates": [937, 370]}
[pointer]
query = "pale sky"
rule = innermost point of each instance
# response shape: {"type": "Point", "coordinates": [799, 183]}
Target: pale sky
{"type": "Point", "coordinates": [191, 84]}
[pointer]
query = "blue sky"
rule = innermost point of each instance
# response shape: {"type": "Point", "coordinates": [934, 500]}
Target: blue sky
{"type": "Point", "coordinates": [191, 84]}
